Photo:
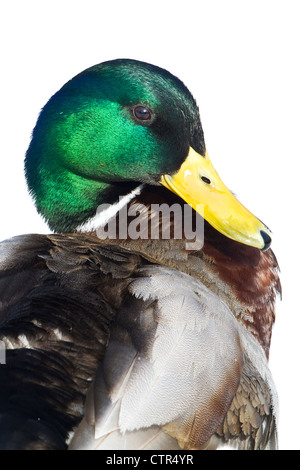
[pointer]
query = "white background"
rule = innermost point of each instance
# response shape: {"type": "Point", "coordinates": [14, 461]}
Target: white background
{"type": "Point", "coordinates": [239, 58]}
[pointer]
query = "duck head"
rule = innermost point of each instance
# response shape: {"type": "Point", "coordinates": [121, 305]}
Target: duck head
{"type": "Point", "coordinates": [117, 125]}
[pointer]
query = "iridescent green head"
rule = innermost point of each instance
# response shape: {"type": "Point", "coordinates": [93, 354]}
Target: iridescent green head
{"type": "Point", "coordinates": [111, 127]}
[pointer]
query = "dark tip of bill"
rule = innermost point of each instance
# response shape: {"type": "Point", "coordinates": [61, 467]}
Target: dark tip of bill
{"type": "Point", "coordinates": [267, 239]}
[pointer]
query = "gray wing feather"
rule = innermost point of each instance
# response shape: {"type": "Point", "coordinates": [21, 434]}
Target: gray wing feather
{"type": "Point", "coordinates": [172, 368]}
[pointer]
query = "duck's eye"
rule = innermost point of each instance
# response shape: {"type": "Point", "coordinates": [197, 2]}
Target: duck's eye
{"type": "Point", "coordinates": [205, 179]}
{"type": "Point", "coordinates": [142, 113]}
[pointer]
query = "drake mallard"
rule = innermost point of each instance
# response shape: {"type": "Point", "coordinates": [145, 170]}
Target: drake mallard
{"type": "Point", "coordinates": [134, 342]}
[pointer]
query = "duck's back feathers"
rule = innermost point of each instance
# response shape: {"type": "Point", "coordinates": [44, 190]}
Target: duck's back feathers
{"type": "Point", "coordinates": [162, 360]}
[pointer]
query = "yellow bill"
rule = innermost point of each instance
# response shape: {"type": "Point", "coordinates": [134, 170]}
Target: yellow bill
{"type": "Point", "coordinates": [198, 184]}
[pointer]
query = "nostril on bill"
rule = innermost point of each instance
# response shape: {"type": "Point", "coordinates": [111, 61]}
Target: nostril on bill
{"type": "Point", "coordinates": [205, 179]}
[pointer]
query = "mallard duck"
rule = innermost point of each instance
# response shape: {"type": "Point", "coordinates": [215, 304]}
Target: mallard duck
{"type": "Point", "coordinates": [132, 341]}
